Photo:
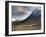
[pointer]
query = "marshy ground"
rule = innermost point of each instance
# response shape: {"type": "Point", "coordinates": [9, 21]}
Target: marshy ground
{"type": "Point", "coordinates": [26, 25]}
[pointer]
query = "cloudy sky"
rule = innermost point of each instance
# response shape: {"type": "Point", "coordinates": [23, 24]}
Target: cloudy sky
{"type": "Point", "coordinates": [21, 12]}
